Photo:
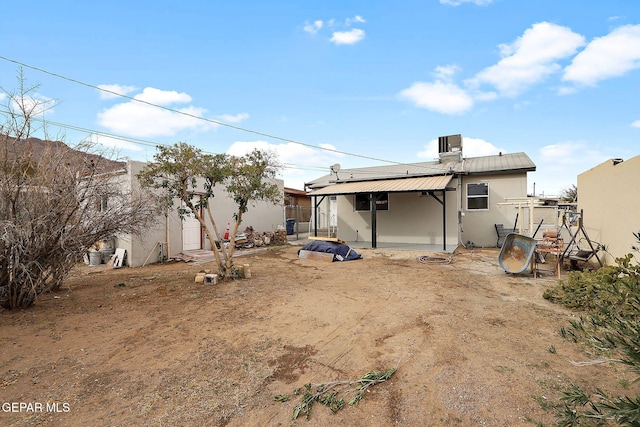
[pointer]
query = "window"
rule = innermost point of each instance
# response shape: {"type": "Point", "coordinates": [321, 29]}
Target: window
{"type": "Point", "coordinates": [478, 196]}
{"type": "Point", "coordinates": [382, 202]}
{"type": "Point", "coordinates": [102, 203]}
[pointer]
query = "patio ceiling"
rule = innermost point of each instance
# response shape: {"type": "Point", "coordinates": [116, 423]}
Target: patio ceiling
{"type": "Point", "coordinates": [402, 185]}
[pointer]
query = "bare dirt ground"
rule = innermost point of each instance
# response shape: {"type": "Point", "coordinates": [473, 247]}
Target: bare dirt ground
{"type": "Point", "coordinates": [149, 347]}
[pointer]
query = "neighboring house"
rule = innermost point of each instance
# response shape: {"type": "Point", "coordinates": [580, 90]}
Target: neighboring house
{"type": "Point", "coordinates": [447, 202]}
{"type": "Point", "coordinates": [171, 235]}
{"type": "Point", "coordinates": [609, 198]}
{"type": "Point", "coordinates": [297, 205]}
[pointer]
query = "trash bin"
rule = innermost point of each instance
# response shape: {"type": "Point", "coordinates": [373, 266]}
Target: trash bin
{"type": "Point", "coordinates": [107, 253]}
{"type": "Point", "coordinates": [95, 258]}
{"type": "Point", "coordinates": [290, 223]}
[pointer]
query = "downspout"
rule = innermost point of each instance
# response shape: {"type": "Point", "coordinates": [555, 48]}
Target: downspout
{"type": "Point", "coordinates": [460, 206]}
{"type": "Point", "coordinates": [460, 211]}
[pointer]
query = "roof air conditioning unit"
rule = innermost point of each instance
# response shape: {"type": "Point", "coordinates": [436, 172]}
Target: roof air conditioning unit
{"type": "Point", "coordinates": [449, 143]}
{"type": "Point", "coordinates": [450, 148]}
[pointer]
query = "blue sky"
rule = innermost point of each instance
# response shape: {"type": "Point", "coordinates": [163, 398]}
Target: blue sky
{"type": "Point", "coordinates": [371, 81]}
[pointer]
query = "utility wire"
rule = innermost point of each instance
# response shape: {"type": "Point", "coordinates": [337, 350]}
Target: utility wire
{"type": "Point", "coordinates": [192, 115]}
{"type": "Point", "coordinates": [22, 64]}
{"type": "Point", "coordinates": [144, 142]}
{"type": "Point", "coordinates": [138, 141]}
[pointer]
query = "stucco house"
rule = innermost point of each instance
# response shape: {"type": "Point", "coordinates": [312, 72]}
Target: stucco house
{"type": "Point", "coordinates": [170, 236]}
{"type": "Point", "coordinates": [451, 201]}
{"type": "Point", "coordinates": [610, 200]}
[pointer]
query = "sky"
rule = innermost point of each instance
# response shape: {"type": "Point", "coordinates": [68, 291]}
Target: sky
{"type": "Point", "coordinates": [357, 83]}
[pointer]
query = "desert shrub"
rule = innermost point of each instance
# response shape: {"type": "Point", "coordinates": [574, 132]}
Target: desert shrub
{"type": "Point", "coordinates": [609, 299]}
{"type": "Point", "coordinates": [607, 290]}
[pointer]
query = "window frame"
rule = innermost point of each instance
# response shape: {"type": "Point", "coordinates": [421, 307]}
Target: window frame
{"type": "Point", "coordinates": [478, 196]}
{"type": "Point", "coordinates": [381, 205]}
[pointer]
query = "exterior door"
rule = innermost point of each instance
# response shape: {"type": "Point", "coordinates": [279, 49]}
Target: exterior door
{"type": "Point", "coordinates": [333, 211]}
{"type": "Point", "coordinates": [191, 231]}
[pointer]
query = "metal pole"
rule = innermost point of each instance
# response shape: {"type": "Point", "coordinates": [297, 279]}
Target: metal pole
{"type": "Point", "coordinates": [315, 216]}
{"type": "Point", "coordinates": [444, 220]}
{"type": "Point", "coordinates": [297, 225]}
{"type": "Point", "coordinates": [374, 225]}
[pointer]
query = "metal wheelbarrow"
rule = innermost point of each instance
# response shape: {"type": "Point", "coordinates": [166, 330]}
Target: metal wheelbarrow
{"type": "Point", "coordinates": [516, 253]}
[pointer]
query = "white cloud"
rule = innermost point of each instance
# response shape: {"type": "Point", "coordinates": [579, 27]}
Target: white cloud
{"type": "Point", "coordinates": [530, 59]}
{"type": "Point", "coordinates": [471, 147]}
{"type": "Point", "coordinates": [141, 120]}
{"type": "Point", "coordinates": [356, 18]}
{"type": "Point", "coordinates": [314, 27]}
{"type": "Point", "coordinates": [566, 90]}
{"type": "Point", "coordinates": [446, 72]}
{"type": "Point", "coordinates": [113, 91]}
{"type": "Point", "coordinates": [234, 119]}
{"type": "Point", "coordinates": [439, 96]}
{"type": "Point", "coordinates": [459, 2]}
{"type": "Point", "coordinates": [485, 96]}
{"type": "Point", "coordinates": [2, 96]}
{"type": "Point", "coordinates": [111, 142]}
{"type": "Point", "coordinates": [162, 97]}
{"type": "Point", "coordinates": [604, 57]}
{"type": "Point", "coordinates": [636, 124]}
{"type": "Point", "coordinates": [348, 37]}
{"type": "Point", "coordinates": [558, 165]}
{"type": "Point", "coordinates": [301, 163]}
{"type": "Point", "coordinates": [563, 152]}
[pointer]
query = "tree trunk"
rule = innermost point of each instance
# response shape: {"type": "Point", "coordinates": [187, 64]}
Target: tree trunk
{"type": "Point", "coordinates": [212, 242]}
{"type": "Point", "coordinates": [232, 244]}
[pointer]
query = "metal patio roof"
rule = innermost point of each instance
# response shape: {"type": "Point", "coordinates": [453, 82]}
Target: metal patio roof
{"type": "Point", "coordinates": [499, 163]}
{"type": "Point", "coordinates": [402, 185]}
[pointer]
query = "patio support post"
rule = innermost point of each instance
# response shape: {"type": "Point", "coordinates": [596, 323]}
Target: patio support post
{"type": "Point", "coordinates": [372, 202]}
{"type": "Point", "coordinates": [444, 220]}
{"type": "Point", "coordinates": [315, 216]}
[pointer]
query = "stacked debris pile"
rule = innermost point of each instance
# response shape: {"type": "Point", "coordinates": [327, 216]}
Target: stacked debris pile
{"type": "Point", "coordinates": [252, 238]}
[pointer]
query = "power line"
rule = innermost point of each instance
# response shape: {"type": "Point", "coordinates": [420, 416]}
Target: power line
{"type": "Point", "coordinates": [193, 115]}
{"type": "Point", "coordinates": [145, 142]}
{"type": "Point", "coordinates": [203, 118]}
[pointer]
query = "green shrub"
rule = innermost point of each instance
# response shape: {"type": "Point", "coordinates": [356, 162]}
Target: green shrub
{"type": "Point", "coordinates": [609, 299]}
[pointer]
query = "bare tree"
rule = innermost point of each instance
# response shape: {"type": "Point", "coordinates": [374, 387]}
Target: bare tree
{"type": "Point", "coordinates": [55, 202]}
{"type": "Point", "coordinates": [570, 194]}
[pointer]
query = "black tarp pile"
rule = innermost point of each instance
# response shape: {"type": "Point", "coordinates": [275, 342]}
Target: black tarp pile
{"type": "Point", "coordinates": [340, 251]}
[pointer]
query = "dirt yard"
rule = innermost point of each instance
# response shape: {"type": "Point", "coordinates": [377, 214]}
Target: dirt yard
{"type": "Point", "coordinates": [149, 347]}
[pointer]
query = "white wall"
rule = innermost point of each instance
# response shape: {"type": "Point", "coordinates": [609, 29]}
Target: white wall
{"type": "Point", "coordinates": [478, 225]}
{"type": "Point", "coordinates": [411, 218]}
{"type": "Point", "coordinates": [262, 216]}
